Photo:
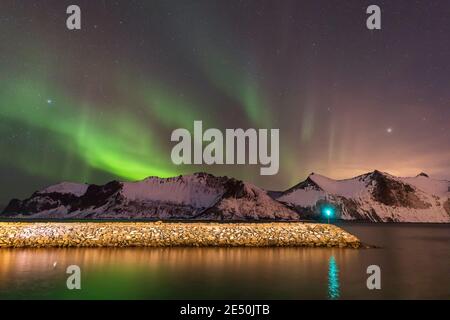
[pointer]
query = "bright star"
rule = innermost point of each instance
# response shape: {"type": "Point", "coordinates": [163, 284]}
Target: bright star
{"type": "Point", "coordinates": [49, 101]}
{"type": "Point", "coordinates": [389, 130]}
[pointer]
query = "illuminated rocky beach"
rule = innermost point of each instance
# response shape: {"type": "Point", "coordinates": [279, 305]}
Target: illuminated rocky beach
{"type": "Point", "coordinates": [167, 234]}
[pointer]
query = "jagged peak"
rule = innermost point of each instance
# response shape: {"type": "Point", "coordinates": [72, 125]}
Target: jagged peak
{"type": "Point", "coordinates": [184, 177]}
{"type": "Point", "coordinates": [203, 174]}
{"type": "Point", "coordinates": [315, 177]}
{"type": "Point", "coordinates": [423, 174]}
{"type": "Point", "coordinates": [377, 174]}
{"type": "Point", "coordinates": [200, 174]}
{"type": "Point", "coordinates": [75, 188]}
{"type": "Point", "coordinates": [308, 182]}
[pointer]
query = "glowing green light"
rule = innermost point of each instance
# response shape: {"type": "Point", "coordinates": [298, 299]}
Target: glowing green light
{"type": "Point", "coordinates": [328, 211]}
{"type": "Point", "coordinates": [116, 142]}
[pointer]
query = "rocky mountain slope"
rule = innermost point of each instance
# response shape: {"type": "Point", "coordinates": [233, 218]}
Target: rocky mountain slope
{"type": "Point", "coordinates": [197, 196]}
{"type": "Point", "coordinates": [375, 196]}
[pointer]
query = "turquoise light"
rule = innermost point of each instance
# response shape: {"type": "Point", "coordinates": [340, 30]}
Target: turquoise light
{"type": "Point", "coordinates": [328, 211]}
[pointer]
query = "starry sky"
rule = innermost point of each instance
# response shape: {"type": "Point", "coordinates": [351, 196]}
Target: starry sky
{"type": "Point", "coordinates": [100, 103]}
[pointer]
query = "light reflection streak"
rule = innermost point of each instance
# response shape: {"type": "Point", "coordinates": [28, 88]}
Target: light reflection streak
{"type": "Point", "coordinates": [334, 291]}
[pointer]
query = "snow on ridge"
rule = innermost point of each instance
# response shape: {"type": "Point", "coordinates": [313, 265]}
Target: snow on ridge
{"type": "Point", "coordinates": [436, 187]}
{"type": "Point", "coordinates": [302, 197]}
{"type": "Point", "coordinates": [254, 203]}
{"type": "Point", "coordinates": [77, 189]}
{"type": "Point", "coordinates": [308, 197]}
{"type": "Point", "coordinates": [182, 190]}
{"type": "Point", "coordinates": [348, 188]}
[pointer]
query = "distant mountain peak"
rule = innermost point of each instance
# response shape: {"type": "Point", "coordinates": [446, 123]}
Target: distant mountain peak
{"type": "Point", "coordinates": [308, 183]}
{"type": "Point", "coordinates": [423, 174]}
{"type": "Point", "coordinates": [378, 173]}
{"type": "Point", "coordinates": [374, 196]}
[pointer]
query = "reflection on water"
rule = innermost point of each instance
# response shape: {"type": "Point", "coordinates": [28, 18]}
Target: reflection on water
{"type": "Point", "coordinates": [333, 279]}
{"type": "Point", "coordinates": [170, 272]}
{"type": "Point", "coordinates": [414, 262]}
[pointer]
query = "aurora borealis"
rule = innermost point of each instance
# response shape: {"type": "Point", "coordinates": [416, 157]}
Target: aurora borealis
{"type": "Point", "coordinates": [100, 103]}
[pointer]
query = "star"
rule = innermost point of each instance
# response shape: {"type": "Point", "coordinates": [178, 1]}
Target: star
{"type": "Point", "coordinates": [389, 130]}
{"type": "Point", "coordinates": [49, 101]}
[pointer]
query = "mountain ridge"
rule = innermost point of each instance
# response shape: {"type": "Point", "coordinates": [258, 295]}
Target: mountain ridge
{"type": "Point", "coordinates": [374, 196]}
{"type": "Point", "coordinates": [181, 197]}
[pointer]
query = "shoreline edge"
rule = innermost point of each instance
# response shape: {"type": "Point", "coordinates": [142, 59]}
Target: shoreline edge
{"type": "Point", "coordinates": [171, 234]}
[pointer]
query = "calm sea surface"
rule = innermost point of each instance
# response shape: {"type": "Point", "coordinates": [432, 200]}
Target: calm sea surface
{"type": "Point", "coordinates": [414, 262]}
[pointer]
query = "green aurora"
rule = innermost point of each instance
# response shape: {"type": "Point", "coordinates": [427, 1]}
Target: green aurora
{"type": "Point", "coordinates": [100, 103]}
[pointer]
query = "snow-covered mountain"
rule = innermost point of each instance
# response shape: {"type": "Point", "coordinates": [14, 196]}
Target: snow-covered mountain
{"type": "Point", "coordinates": [197, 196]}
{"type": "Point", "coordinates": [246, 201]}
{"type": "Point", "coordinates": [375, 196]}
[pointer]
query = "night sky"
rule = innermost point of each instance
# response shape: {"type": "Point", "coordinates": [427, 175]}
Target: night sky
{"type": "Point", "coordinates": [100, 103]}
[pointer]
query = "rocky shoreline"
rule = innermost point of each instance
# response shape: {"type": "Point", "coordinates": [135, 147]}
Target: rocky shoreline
{"type": "Point", "coordinates": [166, 234]}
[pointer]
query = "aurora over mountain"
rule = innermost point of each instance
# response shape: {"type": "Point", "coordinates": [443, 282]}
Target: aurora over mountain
{"type": "Point", "coordinates": [100, 103]}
